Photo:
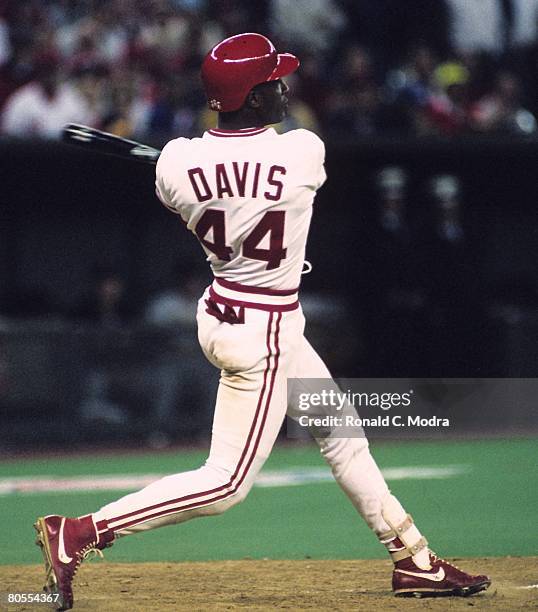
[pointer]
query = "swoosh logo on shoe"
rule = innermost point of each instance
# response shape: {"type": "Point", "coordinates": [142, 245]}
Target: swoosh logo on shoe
{"type": "Point", "coordinates": [437, 577]}
{"type": "Point", "coordinates": [62, 555]}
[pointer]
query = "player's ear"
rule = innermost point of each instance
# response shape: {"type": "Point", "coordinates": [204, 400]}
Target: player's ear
{"type": "Point", "coordinates": [254, 99]}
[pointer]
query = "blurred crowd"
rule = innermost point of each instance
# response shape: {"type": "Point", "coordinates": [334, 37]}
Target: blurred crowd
{"type": "Point", "coordinates": [369, 67]}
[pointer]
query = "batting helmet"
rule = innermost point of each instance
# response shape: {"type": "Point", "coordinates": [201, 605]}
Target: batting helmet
{"type": "Point", "coordinates": [234, 66]}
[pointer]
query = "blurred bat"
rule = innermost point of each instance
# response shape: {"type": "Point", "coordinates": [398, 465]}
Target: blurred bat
{"type": "Point", "coordinates": [108, 144]}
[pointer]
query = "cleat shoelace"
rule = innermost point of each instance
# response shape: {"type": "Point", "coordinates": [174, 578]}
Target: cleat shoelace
{"type": "Point", "coordinates": [437, 559]}
{"type": "Point", "coordinates": [88, 552]}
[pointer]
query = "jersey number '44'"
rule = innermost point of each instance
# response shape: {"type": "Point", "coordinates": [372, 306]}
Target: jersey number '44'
{"type": "Point", "coordinates": [271, 223]}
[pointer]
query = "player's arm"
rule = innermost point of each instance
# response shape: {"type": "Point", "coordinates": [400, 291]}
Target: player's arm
{"type": "Point", "coordinates": [311, 150]}
{"type": "Point", "coordinates": [319, 176]}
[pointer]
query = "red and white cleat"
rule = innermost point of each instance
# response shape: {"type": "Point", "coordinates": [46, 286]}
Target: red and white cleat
{"type": "Point", "coordinates": [65, 543]}
{"type": "Point", "coordinates": [443, 579]}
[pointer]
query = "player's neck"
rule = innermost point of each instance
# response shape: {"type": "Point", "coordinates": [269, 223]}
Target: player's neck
{"type": "Point", "coordinates": [240, 120]}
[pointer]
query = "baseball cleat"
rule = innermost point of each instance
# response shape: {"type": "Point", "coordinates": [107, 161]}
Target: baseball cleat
{"type": "Point", "coordinates": [442, 580]}
{"type": "Point", "coordinates": [65, 543]}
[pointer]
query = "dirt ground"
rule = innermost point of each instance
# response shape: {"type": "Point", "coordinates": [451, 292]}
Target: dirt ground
{"type": "Point", "coordinates": [266, 585]}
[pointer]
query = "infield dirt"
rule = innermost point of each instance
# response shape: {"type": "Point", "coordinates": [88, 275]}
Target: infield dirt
{"type": "Point", "coordinates": [266, 585]}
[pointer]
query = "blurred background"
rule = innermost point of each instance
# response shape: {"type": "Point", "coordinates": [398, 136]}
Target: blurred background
{"type": "Point", "coordinates": [424, 238]}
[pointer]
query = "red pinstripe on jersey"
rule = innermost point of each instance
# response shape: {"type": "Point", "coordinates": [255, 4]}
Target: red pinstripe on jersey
{"type": "Point", "coordinates": [247, 456]}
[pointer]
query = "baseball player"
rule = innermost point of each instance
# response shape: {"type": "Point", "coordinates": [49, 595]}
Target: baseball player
{"type": "Point", "coordinates": [247, 193]}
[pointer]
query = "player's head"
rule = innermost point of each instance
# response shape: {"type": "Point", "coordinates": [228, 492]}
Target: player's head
{"type": "Point", "coordinates": [245, 71]}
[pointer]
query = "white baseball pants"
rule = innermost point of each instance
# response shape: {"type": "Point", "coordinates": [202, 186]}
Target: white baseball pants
{"type": "Point", "coordinates": [257, 341]}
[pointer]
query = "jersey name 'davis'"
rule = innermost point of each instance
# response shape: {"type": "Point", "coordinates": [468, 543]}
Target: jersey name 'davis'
{"type": "Point", "coordinates": [244, 180]}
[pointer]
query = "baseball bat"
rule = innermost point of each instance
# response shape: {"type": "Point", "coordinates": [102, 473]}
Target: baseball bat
{"type": "Point", "coordinates": [98, 141]}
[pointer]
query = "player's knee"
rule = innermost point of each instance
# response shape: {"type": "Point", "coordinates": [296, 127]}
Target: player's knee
{"type": "Point", "coordinates": [236, 497]}
{"type": "Point", "coordinates": [239, 496]}
{"type": "Point", "coordinates": [339, 452]}
{"type": "Point", "coordinates": [333, 447]}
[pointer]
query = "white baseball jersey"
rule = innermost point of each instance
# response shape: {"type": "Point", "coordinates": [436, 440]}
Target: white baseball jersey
{"type": "Point", "coordinates": [247, 195]}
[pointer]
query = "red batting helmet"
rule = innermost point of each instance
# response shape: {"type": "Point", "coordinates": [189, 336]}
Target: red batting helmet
{"type": "Point", "coordinates": [232, 68]}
